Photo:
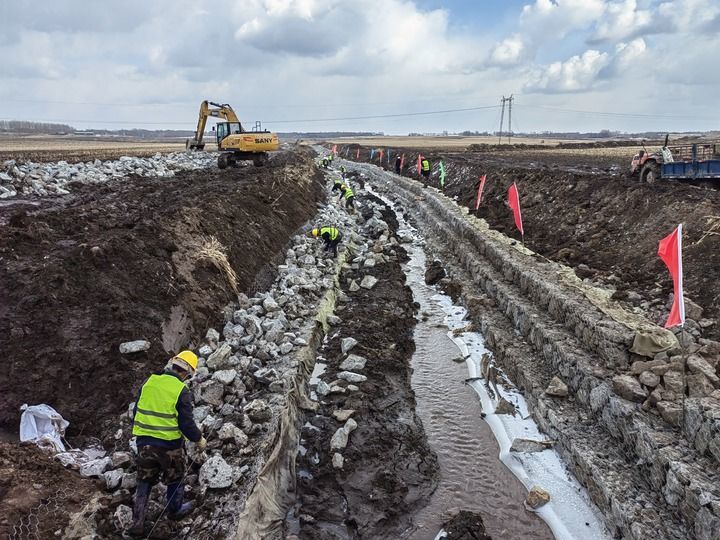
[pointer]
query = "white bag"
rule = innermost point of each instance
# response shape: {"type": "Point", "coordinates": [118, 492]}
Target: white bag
{"type": "Point", "coordinates": [44, 426]}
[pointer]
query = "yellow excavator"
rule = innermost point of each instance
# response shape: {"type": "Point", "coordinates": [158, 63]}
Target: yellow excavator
{"type": "Point", "coordinates": [233, 141]}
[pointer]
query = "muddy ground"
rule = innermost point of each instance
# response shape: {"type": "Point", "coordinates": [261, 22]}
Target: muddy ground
{"type": "Point", "coordinates": [582, 209]}
{"type": "Point", "coordinates": [389, 470]}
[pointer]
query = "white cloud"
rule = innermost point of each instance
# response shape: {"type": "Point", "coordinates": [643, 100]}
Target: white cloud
{"type": "Point", "coordinates": [576, 74]}
{"type": "Point", "coordinates": [554, 19]}
{"type": "Point", "coordinates": [509, 52]}
{"type": "Point", "coordinates": [622, 20]}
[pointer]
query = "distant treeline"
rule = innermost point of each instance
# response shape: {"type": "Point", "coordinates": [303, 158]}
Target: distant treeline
{"type": "Point", "coordinates": [22, 126]}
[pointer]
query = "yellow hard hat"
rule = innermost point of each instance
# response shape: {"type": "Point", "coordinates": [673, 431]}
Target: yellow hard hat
{"type": "Point", "coordinates": [315, 232]}
{"type": "Point", "coordinates": [188, 358]}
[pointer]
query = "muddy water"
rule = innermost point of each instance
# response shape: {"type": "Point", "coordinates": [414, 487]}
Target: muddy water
{"type": "Point", "coordinates": [472, 476]}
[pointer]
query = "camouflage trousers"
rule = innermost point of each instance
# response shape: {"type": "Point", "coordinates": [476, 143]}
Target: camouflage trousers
{"type": "Point", "coordinates": [153, 461]}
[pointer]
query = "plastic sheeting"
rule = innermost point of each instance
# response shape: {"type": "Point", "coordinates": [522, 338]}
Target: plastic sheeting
{"type": "Point", "coordinates": [44, 426]}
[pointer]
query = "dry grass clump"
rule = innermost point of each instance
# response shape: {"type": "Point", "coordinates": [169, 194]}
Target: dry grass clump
{"type": "Point", "coordinates": [212, 250]}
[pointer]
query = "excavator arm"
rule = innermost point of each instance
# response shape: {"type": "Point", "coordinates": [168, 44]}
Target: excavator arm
{"type": "Point", "coordinates": [207, 109]}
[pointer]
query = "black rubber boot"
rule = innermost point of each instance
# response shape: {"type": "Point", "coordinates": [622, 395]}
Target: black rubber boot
{"type": "Point", "coordinates": [142, 493]}
{"type": "Point", "coordinates": [176, 508]}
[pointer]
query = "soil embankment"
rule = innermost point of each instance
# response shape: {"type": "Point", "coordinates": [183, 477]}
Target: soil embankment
{"type": "Point", "coordinates": [582, 210]}
{"type": "Point", "coordinates": [81, 274]}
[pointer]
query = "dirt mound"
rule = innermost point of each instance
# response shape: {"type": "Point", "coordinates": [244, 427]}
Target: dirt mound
{"type": "Point", "coordinates": [466, 526]}
{"type": "Point", "coordinates": [597, 221]}
{"type": "Point", "coordinates": [117, 262]}
{"type": "Point", "coordinates": [37, 494]}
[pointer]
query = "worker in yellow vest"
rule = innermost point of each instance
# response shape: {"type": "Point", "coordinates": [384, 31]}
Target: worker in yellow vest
{"type": "Point", "coordinates": [425, 166]}
{"type": "Point", "coordinates": [331, 236]}
{"type": "Point", "coordinates": [347, 193]}
{"type": "Point", "coordinates": [162, 420]}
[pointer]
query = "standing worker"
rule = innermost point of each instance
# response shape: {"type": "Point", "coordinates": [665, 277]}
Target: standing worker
{"type": "Point", "coordinates": [425, 166]}
{"type": "Point", "coordinates": [163, 418]}
{"type": "Point", "coordinates": [398, 163]}
{"type": "Point", "coordinates": [331, 237]}
{"type": "Point", "coordinates": [343, 170]}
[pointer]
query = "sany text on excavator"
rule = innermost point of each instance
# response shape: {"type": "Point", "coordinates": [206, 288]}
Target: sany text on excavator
{"type": "Point", "coordinates": [234, 142]}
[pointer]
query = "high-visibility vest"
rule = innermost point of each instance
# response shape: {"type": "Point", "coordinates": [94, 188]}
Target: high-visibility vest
{"type": "Point", "coordinates": [425, 165]}
{"type": "Point", "coordinates": [156, 414]}
{"type": "Point", "coordinates": [349, 193]}
{"type": "Point", "coordinates": [338, 181]}
{"type": "Point", "coordinates": [332, 231]}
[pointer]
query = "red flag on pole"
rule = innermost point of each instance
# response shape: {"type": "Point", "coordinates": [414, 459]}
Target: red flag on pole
{"type": "Point", "coordinates": [514, 202]}
{"type": "Point", "coordinates": [382, 153]}
{"type": "Point", "coordinates": [670, 251]}
{"type": "Point", "coordinates": [419, 165]}
{"type": "Point", "coordinates": [480, 191]}
{"type": "Point", "coordinates": [357, 156]}
{"type": "Point", "coordinates": [402, 162]}
{"type": "Point", "coordinates": [334, 149]}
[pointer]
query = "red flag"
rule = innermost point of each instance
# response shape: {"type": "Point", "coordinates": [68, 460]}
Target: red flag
{"type": "Point", "coordinates": [419, 163]}
{"type": "Point", "coordinates": [514, 202]}
{"type": "Point", "coordinates": [357, 156]}
{"type": "Point", "coordinates": [480, 190]}
{"type": "Point", "coordinates": [402, 162]}
{"type": "Point", "coordinates": [382, 153]}
{"type": "Point", "coordinates": [670, 251]}
{"type": "Point", "coordinates": [334, 149]}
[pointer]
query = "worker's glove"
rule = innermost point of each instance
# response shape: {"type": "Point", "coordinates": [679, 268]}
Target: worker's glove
{"type": "Point", "coordinates": [201, 444]}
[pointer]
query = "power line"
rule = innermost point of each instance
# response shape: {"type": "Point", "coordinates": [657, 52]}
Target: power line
{"type": "Point", "coordinates": [610, 113]}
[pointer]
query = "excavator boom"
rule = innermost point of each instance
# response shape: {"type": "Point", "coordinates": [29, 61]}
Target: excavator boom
{"type": "Point", "coordinates": [207, 109]}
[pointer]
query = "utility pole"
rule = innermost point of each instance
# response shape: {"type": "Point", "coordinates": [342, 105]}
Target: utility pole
{"type": "Point", "coordinates": [502, 117]}
{"type": "Point", "coordinates": [510, 133]}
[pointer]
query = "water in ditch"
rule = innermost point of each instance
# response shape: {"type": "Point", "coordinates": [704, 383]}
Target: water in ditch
{"type": "Point", "coordinates": [477, 471]}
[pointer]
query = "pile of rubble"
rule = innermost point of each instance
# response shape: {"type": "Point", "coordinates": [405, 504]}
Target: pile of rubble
{"type": "Point", "coordinates": [54, 178]}
{"type": "Point", "coordinates": [240, 390]}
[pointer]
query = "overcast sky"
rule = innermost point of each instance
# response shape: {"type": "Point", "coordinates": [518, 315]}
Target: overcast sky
{"type": "Point", "coordinates": [579, 65]}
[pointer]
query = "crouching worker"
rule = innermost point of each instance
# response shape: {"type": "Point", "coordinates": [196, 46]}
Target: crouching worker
{"type": "Point", "coordinates": [337, 184]}
{"type": "Point", "coordinates": [331, 237]}
{"type": "Point", "coordinates": [347, 192]}
{"type": "Point", "coordinates": [163, 419]}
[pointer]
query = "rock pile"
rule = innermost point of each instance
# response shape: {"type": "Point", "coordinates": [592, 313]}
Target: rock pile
{"type": "Point", "coordinates": [43, 179]}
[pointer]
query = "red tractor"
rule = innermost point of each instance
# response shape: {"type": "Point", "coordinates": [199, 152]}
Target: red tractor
{"type": "Point", "coordinates": [697, 161]}
{"type": "Point", "coordinates": [648, 166]}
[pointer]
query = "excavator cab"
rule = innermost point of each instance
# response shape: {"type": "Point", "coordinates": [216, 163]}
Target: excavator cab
{"type": "Point", "coordinates": [223, 129]}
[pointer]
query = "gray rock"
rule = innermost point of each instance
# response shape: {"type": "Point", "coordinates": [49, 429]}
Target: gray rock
{"type": "Point", "coordinates": [217, 359]}
{"type": "Point", "coordinates": [334, 320]}
{"type": "Point", "coordinates": [530, 445]}
{"type": "Point", "coordinates": [699, 385]}
{"type": "Point", "coordinates": [95, 468]}
{"type": "Point", "coordinates": [353, 362]}
{"type": "Point", "coordinates": [225, 376]}
{"type": "Point", "coordinates": [505, 407]}
{"type": "Point", "coordinates": [129, 481]}
{"type": "Point", "coordinates": [112, 478]}
{"type": "Point", "coordinates": [368, 282]}
{"type": "Point", "coordinates": [349, 376]}
{"type": "Point", "coordinates": [130, 347]}
{"type": "Point", "coordinates": [628, 387]}
{"type": "Point", "coordinates": [354, 287]}
{"type": "Point", "coordinates": [230, 431]}
{"type": "Point", "coordinates": [216, 473]}
{"type": "Point", "coordinates": [121, 460]}
{"type": "Point", "coordinates": [322, 389]}
{"type": "Point", "coordinates": [210, 392]}
{"type": "Point", "coordinates": [674, 381]}
{"type": "Point", "coordinates": [200, 413]}
{"type": "Point", "coordinates": [342, 415]}
{"type": "Point", "coordinates": [285, 348]}
{"type": "Point", "coordinates": [340, 438]}
{"type": "Point", "coordinates": [557, 388]}
{"type": "Point", "coordinates": [258, 410]}
{"type": "Point", "coordinates": [213, 338]}
{"type": "Point", "coordinates": [650, 379]}
{"type": "Point", "coordinates": [671, 412]}
{"type": "Point", "coordinates": [123, 517]}
{"type": "Point", "coordinates": [205, 351]}
{"type": "Point", "coordinates": [338, 461]}
{"type": "Point", "coordinates": [269, 304]}
{"type": "Point", "coordinates": [697, 364]}
{"type": "Point", "coordinates": [347, 344]}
